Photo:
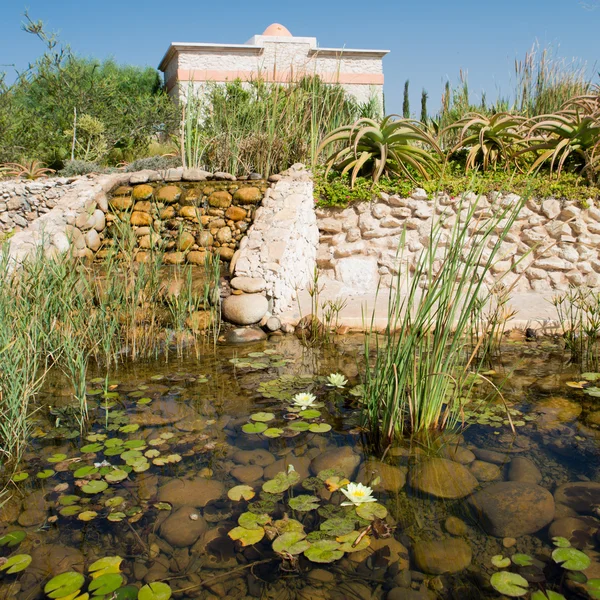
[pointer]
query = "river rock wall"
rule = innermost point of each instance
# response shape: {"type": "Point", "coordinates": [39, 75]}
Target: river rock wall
{"type": "Point", "coordinates": [552, 245]}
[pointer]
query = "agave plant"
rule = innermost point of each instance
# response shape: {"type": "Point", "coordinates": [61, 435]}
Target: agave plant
{"type": "Point", "coordinates": [573, 131]}
{"type": "Point", "coordinates": [489, 139]}
{"type": "Point", "coordinates": [392, 147]}
{"type": "Point", "coordinates": [33, 169]}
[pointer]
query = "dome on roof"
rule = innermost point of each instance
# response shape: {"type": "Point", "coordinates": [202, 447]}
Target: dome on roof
{"type": "Point", "coordinates": [277, 30]}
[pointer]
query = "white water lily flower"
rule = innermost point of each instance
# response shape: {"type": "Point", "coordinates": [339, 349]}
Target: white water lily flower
{"type": "Point", "coordinates": [336, 380]}
{"type": "Point", "coordinates": [304, 400]}
{"type": "Point", "coordinates": [357, 493]}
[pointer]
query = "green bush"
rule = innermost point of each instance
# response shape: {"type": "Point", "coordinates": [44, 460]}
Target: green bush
{"type": "Point", "coordinates": [73, 168]}
{"type": "Point", "coordinates": [154, 163]}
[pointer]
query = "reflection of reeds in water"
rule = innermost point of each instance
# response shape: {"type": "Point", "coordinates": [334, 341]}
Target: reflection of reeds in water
{"type": "Point", "coordinates": [578, 312]}
{"type": "Point", "coordinates": [422, 368]}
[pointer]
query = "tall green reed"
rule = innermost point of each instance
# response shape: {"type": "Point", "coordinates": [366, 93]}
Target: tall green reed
{"type": "Point", "coordinates": [419, 369]}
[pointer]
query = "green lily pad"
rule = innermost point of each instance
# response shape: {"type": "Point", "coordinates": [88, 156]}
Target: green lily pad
{"type": "Point", "coordinates": [106, 584]}
{"type": "Point", "coordinates": [116, 517]}
{"type": "Point", "coordinates": [21, 476]}
{"type": "Point", "coordinates": [155, 591]}
{"type": "Point", "coordinates": [571, 559]}
{"type": "Point", "coordinates": [254, 427]}
{"type": "Point", "coordinates": [547, 595]}
{"type": "Point", "coordinates": [500, 561]}
{"type": "Point", "coordinates": [69, 511]}
{"type": "Point", "coordinates": [590, 376]}
{"type": "Point", "coordinates": [263, 417]}
{"type": "Point", "coordinates": [13, 538]}
{"type": "Point", "coordinates": [371, 511]}
{"type": "Point", "coordinates": [250, 520]}
{"type": "Point", "coordinates": [522, 560]}
{"type": "Point", "coordinates": [281, 482]}
{"type": "Point", "coordinates": [91, 448]}
{"type": "Point", "coordinates": [319, 427]}
{"type": "Point", "coordinates": [304, 503]}
{"type": "Point", "coordinates": [64, 584]}
{"type": "Point", "coordinates": [113, 443]}
{"type": "Point", "coordinates": [509, 584]}
{"type": "Point", "coordinates": [114, 501]}
{"type": "Point", "coordinates": [273, 432]}
{"type": "Point", "coordinates": [561, 542]}
{"type": "Point", "coordinates": [115, 476]}
{"type": "Point", "coordinates": [132, 428]}
{"type": "Point", "coordinates": [291, 543]}
{"type": "Point", "coordinates": [87, 515]}
{"type": "Point", "coordinates": [324, 551]}
{"type": "Point", "coordinates": [338, 526]}
{"type": "Point", "coordinates": [94, 487]}
{"type": "Point", "coordinates": [241, 492]}
{"type": "Point", "coordinates": [16, 563]}
{"type": "Point", "coordinates": [45, 474]}
{"type": "Point", "coordinates": [288, 526]}
{"type": "Point", "coordinates": [103, 566]}
{"type": "Point", "coordinates": [84, 472]}
{"type": "Point", "coordinates": [56, 458]}
{"type": "Point", "coordinates": [347, 542]}
{"type": "Point", "coordinates": [299, 426]}
{"type": "Point", "coordinates": [310, 413]}
{"type": "Point", "coordinates": [135, 444]}
{"type": "Point", "coordinates": [247, 537]}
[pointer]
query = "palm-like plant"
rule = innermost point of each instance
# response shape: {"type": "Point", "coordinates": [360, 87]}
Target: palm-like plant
{"type": "Point", "coordinates": [392, 147]}
{"type": "Point", "coordinates": [573, 131]}
{"type": "Point", "coordinates": [489, 139]}
{"type": "Point", "coordinates": [33, 169]}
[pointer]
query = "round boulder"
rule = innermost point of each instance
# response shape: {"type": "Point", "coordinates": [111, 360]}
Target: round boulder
{"type": "Point", "coordinates": [183, 527]}
{"type": "Point", "coordinates": [142, 192]}
{"type": "Point", "coordinates": [522, 469]}
{"type": "Point", "coordinates": [342, 458]}
{"type": "Point", "coordinates": [391, 478]}
{"type": "Point", "coordinates": [442, 478]}
{"type": "Point", "coordinates": [485, 471]}
{"type": "Point", "coordinates": [248, 195]}
{"type": "Point", "coordinates": [513, 508]}
{"type": "Point", "coordinates": [244, 335]}
{"type": "Point", "coordinates": [445, 556]}
{"type": "Point", "coordinates": [581, 496]}
{"type": "Point", "coordinates": [246, 309]}
{"type": "Point", "coordinates": [250, 285]}
{"type": "Point", "coordinates": [169, 194]}
{"type": "Point", "coordinates": [190, 492]}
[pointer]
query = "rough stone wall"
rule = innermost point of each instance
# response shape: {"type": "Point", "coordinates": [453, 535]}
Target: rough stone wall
{"type": "Point", "coordinates": [281, 245]}
{"type": "Point", "coordinates": [358, 245]}
{"type": "Point", "coordinates": [21, 202]}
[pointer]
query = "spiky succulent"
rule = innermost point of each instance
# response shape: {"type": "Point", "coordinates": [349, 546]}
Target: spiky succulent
{"type": "Point", "coordinates": [395, 146]}
{"type": "Point", "coordinates": [33, 169]}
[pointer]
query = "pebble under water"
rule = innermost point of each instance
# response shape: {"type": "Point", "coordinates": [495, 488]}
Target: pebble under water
{"type": "Point", "coordinates": [178, 451]}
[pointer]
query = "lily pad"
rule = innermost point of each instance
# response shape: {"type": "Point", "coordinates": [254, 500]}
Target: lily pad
{"type": "Point", "coordinates": [21, 476]}
{"type": "Point", "coordinates": [338, 526]}
{"type": "Point", "coordinates": [319, 427]}
{"type": "Point", "coordinates": [132, 428]}
{"type": "Point", "coordinates": [56, 458]}
{"type": "Point", "coordinates": [241, 492]}
{"type": "Point", "coordinates": [16, 563]}
{"type": "Point", "coordinates": [250, 520]}
{"type": "Point", "coordinates": [91, 448]}
{"type": "Point", "coordinates": [64, 584]}
{"type": "Point", "coordinates": [106, 584]}
{"type": "Point", "coordinates": [281, 482]}
{"type": "Point", "coordinates": [523, 560]}
{"type": "Point", "coordinates": [247, 537]}
{"type": "Point", "coordinates": [103, 566]}
{"type": "Point", "coordinates": [94, 487]}
{"type": "Point", "coordinates": [288, 526]}
{"type": "Point", "coordinates": [155, 591]}
{"type": "Point", "coordinates": [299, 426]}
{"type": "Point", "coordinates": [547, 595]}
{"type": "Point", "coordinates": [310, 413]}
{"type": "Point", "coordinates": [347, 542]}
{"type": "Point", "coordinates": [254, 427]}
{"type": "Point", "coordinates": [561, 542]}
{"type": "Point", "coordinates": [69, 511]}
{"type": "Point", "coordinates": [87, 515]}
{"type": "Point", "coordinates": [371, 511]}
{"type": "Point", "coordinates": [291, 543]}
{"type": "Point", "coordinates": [262, 417]}
{"type": "Point", "coordinates": [509, 584]}
{"type": "Point", "coordinates": [324, 551]}
{"type": "Point", "coordinates": [273, 432]}
{"type": "Point", "coordinates": [304, 503]}
{"type": "Point", "coordinates": [115, 476]}
{"type": "Point", "coordinates": [13, 538]}
{"type": "Point", "coordinates": [86, 471]}
{"type": "Point", "coordinates": [500, 561]}
{"type": "Point", "coordinates": [571, 559]}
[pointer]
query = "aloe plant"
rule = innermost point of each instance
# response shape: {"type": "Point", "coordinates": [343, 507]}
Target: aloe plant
{"type": "Point", "coordinates": [489, 139]}
{"type": "Point", "coordinates": [33, 169]}
{"type": "Point", "coordinates": [572, 132]}
{"type": "Point", "coordinates": [392, 147]}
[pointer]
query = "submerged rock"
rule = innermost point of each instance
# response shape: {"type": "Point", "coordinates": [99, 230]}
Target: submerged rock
{"type": "Point", "coordinates": [183, 527]}
{"type": "Point", "coordinates": [244, 335]}
{"type": "Point", "coordinates": [445, 556]}
{"type": "Point", "coordinates": [458, 454]}
{"type": "Point", "coordinates": [343, 458]}
{"type": "Point", "coordinates": [513, 508]}
{"type": "Point", "coordinates": [522, 469]}
{"type": "Point", "coordinates": [191, 492]}
{"type": "Point", "coordinates": [456, 526]}
{"type": "Point", "coordinates": [301, 464]}
{"type": "Point", "coordinates": [485, 471]}
{"type": "Point", "coordinates": [262, 458]}
{"type": "Point", "coordinates": [581, 496]}
{"type": "Point", "coordinates": [442, 478]}
{"type": "Point", "coordinates": [578, 530]}
{"type": "Point", "coordinates": [247, 473]}
{"type": "Point", "coordinates": [49, 560]}
{"type": "Point", "coordinates": [498, 458]}
{"type": "Point", "coordinates": [391, 478]}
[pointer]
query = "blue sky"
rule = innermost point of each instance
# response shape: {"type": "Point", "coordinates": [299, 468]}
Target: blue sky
{"type": "Point", "coordinates": [430, 41]}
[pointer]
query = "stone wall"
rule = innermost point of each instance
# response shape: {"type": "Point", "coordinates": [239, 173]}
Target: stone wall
{"type": "Point", "coordinates": [358, 244]}
{"type": "Point", "coordinates": [280, 250]}
{"type": "Point", "coordinates": [21, 202]}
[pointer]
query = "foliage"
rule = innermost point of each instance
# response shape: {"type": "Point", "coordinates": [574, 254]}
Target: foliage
{"type": "Point", "coordinates": [261, 127]}
{"type": "Point", "coordinates": [422, 372]}
{"type": "Point", "coordinates": [391, 147]}
{"type": "Point", "coordinates": [570, 134]}
{"type": "Point", "coordinates": [74, 168]}
{"type": "Point", "coordinates": [154, 163]}
{"type": "Point", "coordinates": [488, 140]}
{"type": "Point", "coordinates": [33, 169]}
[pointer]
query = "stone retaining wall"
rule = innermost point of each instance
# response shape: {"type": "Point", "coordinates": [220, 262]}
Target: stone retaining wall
{"type": "Point", "coordinates": [21, 202]}
{"type": "Point", "coordinates": [280, 250]}
{"type": "Point", "coordinates": [358, 244]}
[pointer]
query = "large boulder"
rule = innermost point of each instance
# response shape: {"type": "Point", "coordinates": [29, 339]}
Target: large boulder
{"type": "Point", "coordinates": [390, 478]}
{"type": "Point", "coordinates": [522, 469]}
{"type": "Point", "coordinates": [581, 496]}
{"type": "Point", "coordinates": [444, 556]}
{"type": "Point", "coordinates": [183, 527]}
{"type": "Point", "coordinates": [342, 458]}
{"type": "Point", "coordinates": [442, 478]}
{"type": "Point", "coordinates": [190, 492]}
{"type": "Point", "coordinates": [513, 508]}
{"type": "Point", "coordinates": [245, 309]}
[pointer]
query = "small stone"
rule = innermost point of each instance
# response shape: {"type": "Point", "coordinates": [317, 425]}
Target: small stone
{"type": "Point", "coordinates": [445, 556]}
{"type": "Point", "coordinates": [174, 258]}
{"type": "Point", "coordinates": [248, 195]}
{"type": "Point", "coordinates": [273, 324]}
{"type": "Point", "coordinates": [249, 285]}
{"type": "Point", "coordinates": [492, 456]}
{"type": "Point", "coordinates": [92, 239]}
{"type": "Point", "coordinates": [142, 192]}
{"type": "Point", "coordinates": [122, 190]}
{"type": "Point", "coordinates": [31, 517]}
{"type": "Point", "coordinates": [120, 203]}
{"type": "Point", "coordinates": [522, 469]}
{"type": "Point", "coordinates": [220, 199]}
{"type": "Point", "coordinates": [581, 496]}
{"type": "Point", "coordinates": [191, 492]}
{"type": "Point", "coordinates": [186, 240]}
{"type": "Point", "coordinates": [260, 457]}
{"type": "Point", "coordinates": [456, 526]}
{"type": "Point", "coordinates": [391, 478]}
{"type": "Point", "coordinates": [301, 464]}
{"type": "Point", "coordinates": [235, 213]}
{"type": "Point", "coordinates": [195, 175]}
{"type": "Point", "coordinates": [167, 213]}
{"type": "Point", "coordinates": [224, 235]}
{"type": "Point", "coordinates": [204, 239]}
{"type": "Point", "coordinates": [225, 253]}
{"type": "Point", "coordinates": [244, 310]}
{"type": "Point", "coordinates": [247, 473]}
{"type": "Point", "coordinates": [442, 478]}
{"type": "Point", "coordinates": [509, 542]}
{"type": "Point", "coordinates": [141, 218]}
{"type": "Point", "coordinates": [196, 257]}
{"type": "Point", "coordinates": [458, 454]}
{"type": "Point", "coordinates": [169, 194]}
{"type": "Point", "coordinates": [245, 335]}
{"type": "Point", "coordinates": [143, 206]}
{"type": "Point", "coordinates": [190, 212]}
{"type": "Point", "coordinates": [485, 471]}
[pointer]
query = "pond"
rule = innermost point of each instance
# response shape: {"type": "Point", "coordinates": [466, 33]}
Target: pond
{"type": "Point", "coordinates": [183, 455]}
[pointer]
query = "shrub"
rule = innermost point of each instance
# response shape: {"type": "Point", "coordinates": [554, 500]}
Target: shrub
{"type": "Point", "coordinates": [154, 163]}
{"type": "Point", "coordinates": [74, 168]}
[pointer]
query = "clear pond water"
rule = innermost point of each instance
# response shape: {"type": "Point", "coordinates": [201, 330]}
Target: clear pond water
{"type": "Point", "coordinates": [151, 481]}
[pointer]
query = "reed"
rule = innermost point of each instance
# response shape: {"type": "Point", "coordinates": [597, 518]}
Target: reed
{"type": "Point", "coordinates": [419, 368]}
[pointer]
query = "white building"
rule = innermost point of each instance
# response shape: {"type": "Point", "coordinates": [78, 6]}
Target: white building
{"type": "Point", "coordinates": [275, 56]}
